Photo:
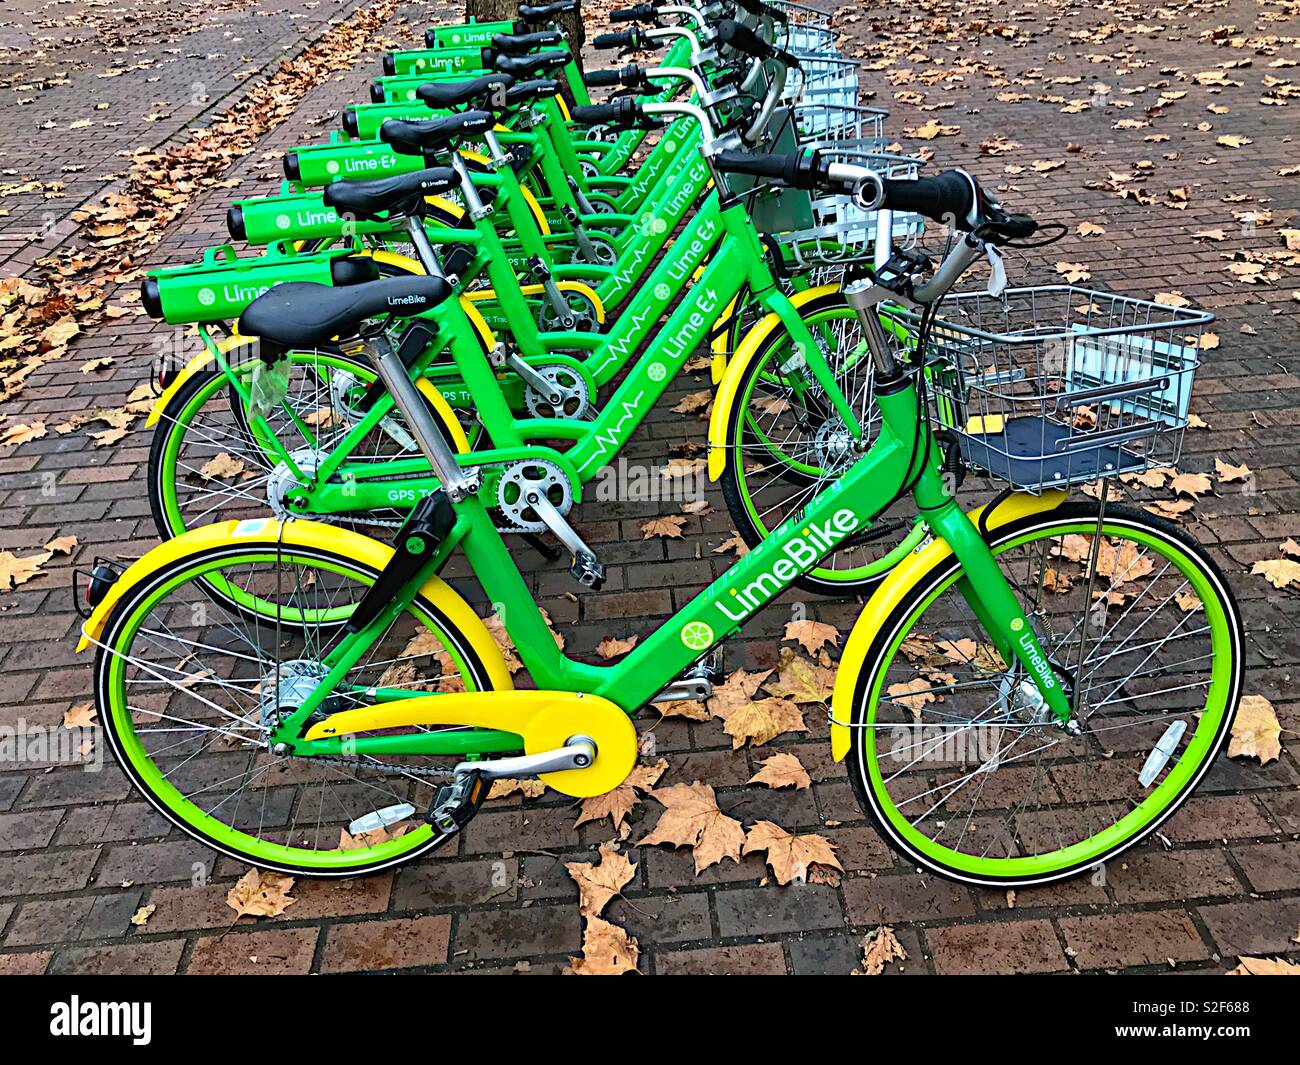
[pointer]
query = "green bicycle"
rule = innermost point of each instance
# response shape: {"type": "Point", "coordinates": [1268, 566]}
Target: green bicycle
{"type": "Point", "coordinates": [1034, 691]}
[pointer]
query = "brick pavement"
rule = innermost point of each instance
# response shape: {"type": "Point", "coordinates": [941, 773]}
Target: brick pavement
{"type": "Point", "coordinates": [82, 853]}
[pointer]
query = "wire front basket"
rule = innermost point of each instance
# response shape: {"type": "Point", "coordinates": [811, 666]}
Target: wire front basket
{"type": "Point", "coordinates": [821, 123]}
{"type": "Point", "coordinates": [1059, 385]}
{"type": "Point", "coordinates": [824, 79]}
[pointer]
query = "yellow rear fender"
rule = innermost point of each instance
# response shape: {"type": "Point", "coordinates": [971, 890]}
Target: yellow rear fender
{"type": "Point", "coordinates": [546, 720]}
{"type": "Point", "coordinates": [893, 589]}
{"type": "Point", "coordinates": [721, 338]}
{"type": "Point", "coordinates": [749, 346]}
{"type": "Point", "coordinates": [305, 534]}
{"type": "Point", "coordinates": [229, 348]}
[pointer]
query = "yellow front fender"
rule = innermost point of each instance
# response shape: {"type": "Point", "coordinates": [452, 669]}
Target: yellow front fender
{"type": "Point", "coordinates": [744, 355]}
{"type": "Point", "coordinates": [305, 534]}
{"type": "Point", "coordinates": [891, 592]}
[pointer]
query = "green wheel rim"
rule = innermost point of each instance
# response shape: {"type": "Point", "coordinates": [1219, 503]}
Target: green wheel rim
{"type": "Point", "coordinates": [1153, 809]}
{"type": "Point", "coordinates": [164, 794]}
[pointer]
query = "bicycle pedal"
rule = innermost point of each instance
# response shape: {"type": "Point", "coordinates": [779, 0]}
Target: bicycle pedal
{"type": "Point", "coordinates": [587, 571]}
{"type": "Point", "coordinates": [456, 803]}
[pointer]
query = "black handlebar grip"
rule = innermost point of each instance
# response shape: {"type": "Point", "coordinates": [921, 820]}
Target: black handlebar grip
{"type": "Point", "coordinates": [603, 78]}
{"type": "Point", "coordinates": [945, 195]}
{"type": "Point", "coordinates": [595, 114]}
{"type": "Point", "coordinates": [618, 39]}
{"type": "Point", "coordinates": [639, 13]}
{"type": "Point", "coordinates": [800, 170]}
{"type": "Point", "coordinates": [743, 39]}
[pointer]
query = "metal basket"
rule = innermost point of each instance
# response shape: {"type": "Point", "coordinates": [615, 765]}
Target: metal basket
{"type": "Point", "coordinates": [815, 229]}
{"type": "Point", "coordinates": [1059, 385]}
{"type": "Point", "coordinates": [824, 79]}
{"type": "Point", "coordinates": [818, 123]}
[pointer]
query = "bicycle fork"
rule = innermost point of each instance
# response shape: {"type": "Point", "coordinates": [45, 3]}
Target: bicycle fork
{"type": "Point", "coordinates": [982, 584]}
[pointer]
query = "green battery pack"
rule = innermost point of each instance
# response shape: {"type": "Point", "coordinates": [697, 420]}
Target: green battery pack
{"type": "Point", "coordinates": [319, 164]}
{"type": "Point", "coordinates": [293, 215]}
{"type": "Point", "coordinates": [219, 287]}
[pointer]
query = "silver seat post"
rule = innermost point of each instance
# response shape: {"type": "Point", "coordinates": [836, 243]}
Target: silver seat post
{"type": "Point", "coordinates": [457, 482]}
{"type": "Point", "coordinates": [423, 246]}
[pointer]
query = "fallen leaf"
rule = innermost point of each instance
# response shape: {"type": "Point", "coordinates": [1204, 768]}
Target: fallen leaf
{"type": "Point", "coordinates": [61, 545]}
{"type": "Point", "coordinates": [1073, 272]}
{"type": "Point", "coordinates": [611, 648]}
{"type": "Point", "coordinates": [1281, 573]}
{"type": "Point", "coordinates": [669, 527]}
{"type": "Point", "coordinates": [762, 720]}
{"type": "Point", "coordinates": [800, 680]}
{"type": "Point", "coordinates": [789, 856]}
{"type": "Point", "coordinates": [691, 818]}
{"type": "Point", "coordinates": [504, 787]}
{"type": "Point", "coordinates": [15, 571]}
{"type": "Point", "coordinates": [620, 801]}
{"type": "Point", "coordinates": [813, 635]}
{"type": "Point", "coordinates": [879, 948]}
{"type": "Point", "coordinates": [782, 771]}
{"type": "Point", "coordinates": [141, 916]}
{"type": "Point", "coordinates": [1227, 473]}
{"type": "Point", "coordinates": [1090, 229]}
{"type": "Point", "coordinates": [598, 882]}
{"type": "Point", "coordinates": [607, 950]}
{"type": "Point", "coordinates": [260, 894]}
{"type": "Point", "coordinates": [1265, 967]}
{"type": "Point", "coordinates": [80, 716]}
{"type": "Point", "coordinates": [1256, 732]}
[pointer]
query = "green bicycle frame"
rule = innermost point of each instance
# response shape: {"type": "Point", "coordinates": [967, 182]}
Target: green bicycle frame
{"type": "Point", "coordinates": [845, 508]}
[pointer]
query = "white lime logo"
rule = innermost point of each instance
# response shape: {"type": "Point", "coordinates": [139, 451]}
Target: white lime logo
{"type": "Point", "coordinates": [455, 38]}
{"type": "Point", "coordinates": [282, 221]}
{"type": "Point", "coordinates": [1017, 624]}
{"type": "Point", "coordinates": [662, 291]}
{"type": "Point", "coordinates": [207, 297]}
{"type": "Point", "coordinates": [697, 635]}
{"type": "Point", "coordinates": [657, 371]}
{"type": "Point", "coordinates": [331, 167]}
{"type": "Point", "coordinates": [670, 147]}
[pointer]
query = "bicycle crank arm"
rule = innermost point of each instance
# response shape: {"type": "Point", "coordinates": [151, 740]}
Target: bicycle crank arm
{"type": "Point", "coordinates": [579, 753]}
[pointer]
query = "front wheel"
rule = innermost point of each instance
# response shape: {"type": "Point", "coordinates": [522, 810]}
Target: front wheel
{"type": "Point", "coordinates": [957, 760]}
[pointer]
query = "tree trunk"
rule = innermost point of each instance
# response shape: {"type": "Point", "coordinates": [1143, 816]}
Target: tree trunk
{"type": "Point", "coordinates": [494, 10]}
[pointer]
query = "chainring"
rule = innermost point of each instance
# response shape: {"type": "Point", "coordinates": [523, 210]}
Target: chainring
{"type": "Point", "coordinates": [517, 481]}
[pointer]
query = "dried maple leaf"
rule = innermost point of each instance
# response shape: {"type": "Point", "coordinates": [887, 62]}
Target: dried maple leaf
{"type": "Point", "coordinates": [879, 948]}
{"type": "Point", "coordinates": [669, 527]}
{"type": "Point", "coordinates": [738, 690]}
{"type": "Point", "coordinates": [504, 787]}
{"type": "Point", "coordinates": [619, 802]}
{"type": "Point", "coordinates": [782, 771]}
{"type": "Point", "coordinates": [260, 894]}
{"type": "Point", "coordinates": [1256, 732]}
{"type": "Point", "coordinates": [1090, 229]}
{"type": "Point", "coordinates": [222, 466]}
{"type": "Point", "coordinates": [736, 544]}
{"type": "Point", "coordinates": [1227, 473]}
{"type": "Point", "coordinates": [762, 720]}
{"type": "Point", "coordinates": [1265, 967]}
{"type": "Point", "coordinates": [799, 680]}
{"type": "Point", "coordinates": [927, 131]}
{"type": "Point", "coordinates": [1073, 272]}
{"type": "Point", "coordinates": [607, 950]}
{"type": "Point", "coordinates": [21, 434]}
{"type": "Point", "coordinates": [141, 916]}
{"type": "Point", "coordinates": [691, 818]}
{"type": "Point", "coordinates": [694, 401]}
{"type": "Point", "coordinates": [62, 545]}
{"type": "Point", "coordinates": [679, 468]}
{"type": "Point", "coordinates": [598, 882]}
{"type": "Point", "coordinates": [788, 855]}
{"type": "Point", "coordinates": [1191, 484]}
{"type": "Point", "coordinates": [15, 571]}
{"type": "Point", "coordinates": [1281, 573]}
{"type": "Point", "coordinates": [812, 634]}
{"type": "Point", "coordinates": [80, 716]}
{"type": "Point", "coordinates": [611, 648]}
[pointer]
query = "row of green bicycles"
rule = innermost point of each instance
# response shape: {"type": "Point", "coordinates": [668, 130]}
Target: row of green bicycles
{"type": "Point", "coordinates": [458, 311]}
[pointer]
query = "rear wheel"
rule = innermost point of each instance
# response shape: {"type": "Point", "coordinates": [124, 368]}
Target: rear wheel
{"type": "Point", "coordinates": [955, 757]}
{"type": "Point", "coordinates": [187, 692]}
